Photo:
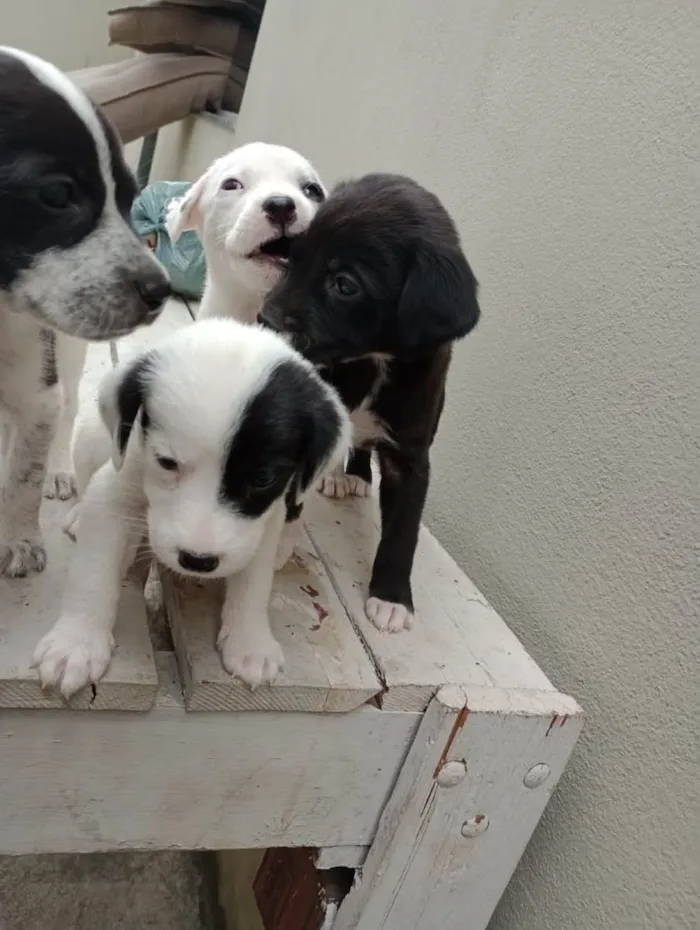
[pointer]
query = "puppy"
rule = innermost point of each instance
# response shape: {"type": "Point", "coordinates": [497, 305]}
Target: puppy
{"type": "Point", "coordinates": [247, 209]}
{"type": "Point", "coordinates": [215, 434]}
{"type": "Point", "coordinates": [375, 294]}
{"type": "Point", "coordinates": [70, 266]}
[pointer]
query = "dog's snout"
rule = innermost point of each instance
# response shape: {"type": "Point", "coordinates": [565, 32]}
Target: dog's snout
{"type": "Point", "coordinates": [279, 209]}
{"type": "Point", "coordinates": [154, 289]}
{"type": "Point", "coordinates": [198, 562]}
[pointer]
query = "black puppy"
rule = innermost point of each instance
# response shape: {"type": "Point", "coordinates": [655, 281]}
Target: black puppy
{"type": "Point", "coordinates": [375, 293]}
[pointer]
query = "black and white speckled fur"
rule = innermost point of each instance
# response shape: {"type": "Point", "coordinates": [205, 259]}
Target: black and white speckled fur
{"type": "Point", "coordinates": [71, 269]}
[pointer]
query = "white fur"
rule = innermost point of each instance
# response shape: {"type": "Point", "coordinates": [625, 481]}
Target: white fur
{"type": "Point", "coordinates": [232, 224]}
{"type": "Point", "coordinates": [53, 292]}
{"type": "Point", "coordinates": [198, 388]}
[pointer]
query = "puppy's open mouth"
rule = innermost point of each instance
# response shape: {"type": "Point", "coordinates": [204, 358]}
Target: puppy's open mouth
{"type": "Point", "coordinates": [274, 251]}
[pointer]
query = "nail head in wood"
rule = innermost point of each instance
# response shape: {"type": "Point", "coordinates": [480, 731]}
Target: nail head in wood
{"type": "Point", "coordinates": [537, 775]}
{"type": "Point", "coordinates": [451, 774]}
{"type": "Point", "coordinates": [475, 826]}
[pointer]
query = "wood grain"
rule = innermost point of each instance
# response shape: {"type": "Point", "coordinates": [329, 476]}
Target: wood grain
{"type": "Point", "coordinates": [327, 669]}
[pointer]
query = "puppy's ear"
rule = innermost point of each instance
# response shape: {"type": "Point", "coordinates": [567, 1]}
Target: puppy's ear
{"type": "Point", "coordinates": [328, 435]}
{"type": "Point", "coordinates": [438, 303]}
{"type": "Point", "coordinates": [186, 213]}
{"type": "Point", "coordinates": [120, 398]}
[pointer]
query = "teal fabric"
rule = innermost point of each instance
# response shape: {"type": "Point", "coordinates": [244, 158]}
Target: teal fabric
{"type": "Point", "coordinates": [183, 260]}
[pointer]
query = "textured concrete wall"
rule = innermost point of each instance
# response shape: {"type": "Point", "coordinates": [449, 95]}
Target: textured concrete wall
{"type": "Point", "coordinates": [564, 136]}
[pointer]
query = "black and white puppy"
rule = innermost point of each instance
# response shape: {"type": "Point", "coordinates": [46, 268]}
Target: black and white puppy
{"type": "Point", "coordinates": [376, 292]}
{"type": "Point", "coordinates": [215, 435]}
{"type": "Point", "coordinates": [71, 269]}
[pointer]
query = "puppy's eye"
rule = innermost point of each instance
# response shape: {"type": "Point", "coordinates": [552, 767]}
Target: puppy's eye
{"type": "Point", "coordinates": [58, 195]}
{"type": "Point", "coordinates": [346, 285]}
{"type": "Point", "coordinates": [313, 191]}
{"type": "Point", "coordinates": [262, 480]}
{"type": "Point", "coordinates": [231, 184]}
{"type": "Point", "coordinates": [166, 463]}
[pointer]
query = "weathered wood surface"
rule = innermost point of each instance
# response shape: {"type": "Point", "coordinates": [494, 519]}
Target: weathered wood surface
{"type": "Point", "coordinates": [169, 779]}
{"type": "Point", "coordinates": [326, 666]}
{"type": "Point", "coordinates": [30, 606]}
{"type": "Point", "coordinates": [458, 637]}
{"type": "Point", "coordinates": [471, 791]}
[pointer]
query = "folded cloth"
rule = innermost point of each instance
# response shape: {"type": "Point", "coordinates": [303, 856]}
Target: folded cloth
{"type": "Point", "coordinates": [144, 93]}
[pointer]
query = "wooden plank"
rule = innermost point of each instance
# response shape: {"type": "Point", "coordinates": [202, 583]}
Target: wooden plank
{"type": "Point", "coordinates": [75, 782]}
{"type": "Point", "coordinates": [458, 637]}
{"type": "Point", "coordinates": [340, 857]}
{"type": "Point", "coordinates": [28, 609]}
{"type": "Point", "coordinates": [474, 786]}
{"type": "Point", "coordinates": [327, 668]}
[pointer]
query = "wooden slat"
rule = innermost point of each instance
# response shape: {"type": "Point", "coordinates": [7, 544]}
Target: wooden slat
{"type": "Point", "coordinates": [446, 847]}
{"type": "Point", "coordinates": [458, 637]}
{"type": "Point", "coordinates": [29, 608]}
{"type": "Point", "coordinates": [326, 666]}
{"type": "Point", "coordinates": [169, 779]}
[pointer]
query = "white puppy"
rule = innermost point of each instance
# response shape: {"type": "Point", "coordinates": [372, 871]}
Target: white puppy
{"type": "Point", "coordinates": [216, 434]}
{"type": "Point", "coordinates": [247, 208]}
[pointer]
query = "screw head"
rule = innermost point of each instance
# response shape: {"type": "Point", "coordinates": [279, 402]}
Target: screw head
{"type": "Point", "coordinates": [451, 774]}
{"type": "Point", "coordinates": [475, 826]}
{"type": "Point", "coordinates": [537, 775]}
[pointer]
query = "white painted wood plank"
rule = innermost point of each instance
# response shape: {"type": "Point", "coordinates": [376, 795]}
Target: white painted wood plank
{"type": "Point", "coordinates": [340, 857]}
{"type": "Point", "coordinates": [446, 848]}
{"type": "Point", "coordinates": [29, 608]}
{"type": "Point", "coordinates": [458, 637]}
{"type": "Point", "coordinates": [326, 666]}
{"type": "Point", "coordinates": [74, 782]}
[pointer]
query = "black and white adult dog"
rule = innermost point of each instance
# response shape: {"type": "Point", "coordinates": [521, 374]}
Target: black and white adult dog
{"type": "Point", "coordinates": [70, 266]}
{"type": "Point", "coordinates": [375, 293]}
{"type": "Point", "coordinates": [216, 434]}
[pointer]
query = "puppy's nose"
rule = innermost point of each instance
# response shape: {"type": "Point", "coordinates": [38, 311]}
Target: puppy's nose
{"type": "Point", "coordinates": [197, 562]}
{"type": "Point", "coordinates": [154, 289]}
{"type": "Point", "coordinates": [279, 209]}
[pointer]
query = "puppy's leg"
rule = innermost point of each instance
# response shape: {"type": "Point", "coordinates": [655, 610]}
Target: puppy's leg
{"type": "Point", "coordinates": [355, 480]}
{"type": "Point", "coordinates": [26, 448]}
{"type": "Point", "coordinates": [248, 649]}
{"type": "Point", "coordinates": [402, 494]}
{"type": "Point", "coordinates": [70, 362]}
{"type": "Point", "coordinates": [78, 648]}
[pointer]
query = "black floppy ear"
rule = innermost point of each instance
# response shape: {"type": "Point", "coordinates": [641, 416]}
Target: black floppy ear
{"type": "Point", "coordinates": [120, 399]}
{"type": "Point", "coordinates": [327, 435]}
{"type": "Point", "coordinates": [438, 303]}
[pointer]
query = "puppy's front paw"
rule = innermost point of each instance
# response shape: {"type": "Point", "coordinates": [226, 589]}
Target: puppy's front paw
{"type": "Point", "coordinates": [60, 486]}
{"type": "Point", "coordinates": [389, 617]}
{"type": "Point", "coordinates": [72, 655]}
{"type": "Point", "coordinates": [22, 556]}
{"type": "Point", "coordinates": [339, 486]}
{"type": "Point", "coordinates": [254, 656]}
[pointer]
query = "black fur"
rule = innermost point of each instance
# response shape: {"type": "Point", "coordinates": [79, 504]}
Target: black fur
{"type": "Point", "coordinates": [379, 284]}
{"type": "Point", "coordinates": [43, 143]}
{"type": "Point", "coordinates": [131, 397]}
{"type": "Point", "coordinates": [49, 371]}
{"type": "Point", "coordinates": [289, 428]}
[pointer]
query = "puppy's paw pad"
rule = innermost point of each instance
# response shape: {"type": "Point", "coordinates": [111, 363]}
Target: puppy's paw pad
{"type": "Point", "coordinates": [60, 486]}
{"type": "Point", "coordinates": [71, 656]}
{"type": "Point", "coordinates": [389, 617]}
{"type": "Point", "coordinates": [342, 486]}
{"type": "Point", "coordinates": [255, 659]}
{"type": "Point", "coordinates": [19, 558]}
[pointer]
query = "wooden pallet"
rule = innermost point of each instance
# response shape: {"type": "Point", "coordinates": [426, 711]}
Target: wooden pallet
{"type": "Point", "coordinates": [427, 758]}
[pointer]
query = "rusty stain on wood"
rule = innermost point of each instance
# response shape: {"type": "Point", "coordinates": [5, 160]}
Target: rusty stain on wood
{"type": "Point", "coordinates": [458, 726]}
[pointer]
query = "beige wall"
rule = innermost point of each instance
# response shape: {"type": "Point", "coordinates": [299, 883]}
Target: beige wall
{"type": "Point", "coordinates": [562, 135]}
{"type": "Point", "coordinates": [70, 33]}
